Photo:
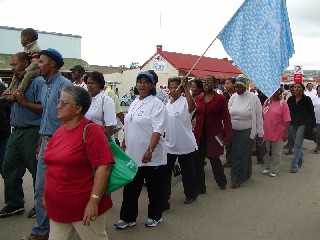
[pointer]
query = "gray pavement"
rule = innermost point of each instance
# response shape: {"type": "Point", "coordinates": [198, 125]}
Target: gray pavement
{"type": "Point", "coordinates": [284, 207]}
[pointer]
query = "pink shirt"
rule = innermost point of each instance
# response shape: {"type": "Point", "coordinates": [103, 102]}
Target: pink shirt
{"type": "Point", "coordinates": [274, 120]}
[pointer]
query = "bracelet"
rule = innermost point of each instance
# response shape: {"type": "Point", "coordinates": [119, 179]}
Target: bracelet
{"type": "Point", "coordinates": [95, 196]}
{"type": "Point", "coordinates": [150, 150]}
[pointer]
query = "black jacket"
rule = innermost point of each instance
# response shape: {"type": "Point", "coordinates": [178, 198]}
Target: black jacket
{"type": "Point", "coordinates": [302, 111]}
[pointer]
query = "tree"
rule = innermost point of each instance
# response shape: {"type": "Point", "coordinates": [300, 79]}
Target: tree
{"type": "Point", "coordinates": [134, 65]}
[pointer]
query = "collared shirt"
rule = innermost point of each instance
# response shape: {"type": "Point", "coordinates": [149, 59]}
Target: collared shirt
{"type": "Point", "coordinates": [22, 116]}
{"type": "Point", "coordinates": [50, 95]}
{"type": "Point", "coordinates": [96, 112]}
{"type": "Point", "coordinates": [143, 119]}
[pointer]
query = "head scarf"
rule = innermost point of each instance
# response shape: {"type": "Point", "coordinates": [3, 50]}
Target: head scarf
{"type": "Point", "coordinates": [243, 81]}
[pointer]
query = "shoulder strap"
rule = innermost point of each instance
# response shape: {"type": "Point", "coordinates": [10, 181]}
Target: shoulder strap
{"type": "Point", "coordinates": [102, 103]}
{"type": "Point", "coordinates": [84, 131]}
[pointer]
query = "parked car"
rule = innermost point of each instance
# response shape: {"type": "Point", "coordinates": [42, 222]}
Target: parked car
{"type": "Point", "coordinates": [125, 100]}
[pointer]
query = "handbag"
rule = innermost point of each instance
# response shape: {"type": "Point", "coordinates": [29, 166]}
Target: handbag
{"type": "Point", "coordinates": [261, 149]}
{"type": "Point", "coordinates": [123, 170]}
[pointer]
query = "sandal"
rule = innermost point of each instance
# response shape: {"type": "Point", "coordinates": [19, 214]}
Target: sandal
{"type": "Point", "coordinates": [316, 150]}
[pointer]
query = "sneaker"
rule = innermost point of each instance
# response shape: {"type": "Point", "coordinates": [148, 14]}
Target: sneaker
{"type": "Point", "coordinates": [122, 224]}
{"type": "Point", "coordinates": [36, 237]}
{"type": "Point", "coordinates": [293, 170]}
{"type": "Point", "coordinates": [8, 211]}
{"type": "Point", "coordinates": [32, 213]}
{"type": "Point", "coordinates": [273, 174]}
{"type": "Point", "coordinates": [152, 223]}
{"type": "Point", "coordinates": [265, 171]}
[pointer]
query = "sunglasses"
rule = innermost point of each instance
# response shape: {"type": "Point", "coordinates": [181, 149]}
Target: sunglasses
{"type": "Point", "coordinates": [63, 103]}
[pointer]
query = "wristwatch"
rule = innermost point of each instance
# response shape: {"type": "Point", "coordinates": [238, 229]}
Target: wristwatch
{"type": "Point", "coordinates": [94, 196]}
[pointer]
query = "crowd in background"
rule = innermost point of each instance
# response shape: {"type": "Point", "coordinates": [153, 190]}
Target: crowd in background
{"type": "Point", "coordinates": [58, 130]}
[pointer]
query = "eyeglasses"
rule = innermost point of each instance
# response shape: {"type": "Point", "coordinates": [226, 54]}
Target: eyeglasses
{"type": "Point", "coordinates": [63, 103]}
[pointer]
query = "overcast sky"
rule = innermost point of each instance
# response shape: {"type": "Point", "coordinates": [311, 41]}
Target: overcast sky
{"type": "Point", "coordinates": [124, 31]}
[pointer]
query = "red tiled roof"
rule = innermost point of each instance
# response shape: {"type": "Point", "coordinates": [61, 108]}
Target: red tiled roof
{"type": "Point", "coordinates": [220, 68]}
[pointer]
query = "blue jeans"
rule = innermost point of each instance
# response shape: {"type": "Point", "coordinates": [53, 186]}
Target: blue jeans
{"type": "Point", "coordinates": [42, 227]}
{"type": "Point", "coordinates": [297, 133]}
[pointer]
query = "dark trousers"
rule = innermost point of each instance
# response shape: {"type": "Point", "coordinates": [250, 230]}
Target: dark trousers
{"type": "Point", "coordinates": [154, 178]}
{"type": "Point", "coordinates": [216, 165]}
{"type": "Point", "coordinates": [3, 144]}
{"type": "Point", "coordinates": [20, 154]}
{"type": "Point", "coordinates": [186, 162]}
{"type": "Point", "coordinates": [241, 167]}
{"type": "Point", "coordinates": [228, 148]}
{"type": "Point", "coordinates": [217, 170]}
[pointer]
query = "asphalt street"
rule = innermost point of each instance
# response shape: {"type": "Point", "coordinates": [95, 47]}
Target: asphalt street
{"type": "Point", "coordinates": [285, 207]}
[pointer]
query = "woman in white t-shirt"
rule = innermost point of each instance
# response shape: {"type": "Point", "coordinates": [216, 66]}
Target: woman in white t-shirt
{"type": "Point", "coordinates": [144, 126]}
{"type": "Point", "coordinates": [180, 139]}
{"type": "Point", "coordinates": [101, 110]}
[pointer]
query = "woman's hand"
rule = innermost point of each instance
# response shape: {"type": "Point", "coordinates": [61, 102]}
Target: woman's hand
{"type": "Point", "coordinates": [259, 140]}
{"type": "Point", "coordinates": [184, 82]}
{"type": "Point", "coordinates": [91, 211]}
{"type": "Point", "coordinates": [147, 156]}
{"type": "Point", "coordinates": [285, 137]}
{"type": "Point", "coordinates": [123, 146]}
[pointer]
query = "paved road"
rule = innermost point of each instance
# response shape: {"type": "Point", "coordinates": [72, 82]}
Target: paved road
{"type": "Point", "coordinates": [285, 207]}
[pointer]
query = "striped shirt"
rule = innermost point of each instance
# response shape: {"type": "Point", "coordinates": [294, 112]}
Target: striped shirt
{"type": "Point", "coordinates": [33, 50]}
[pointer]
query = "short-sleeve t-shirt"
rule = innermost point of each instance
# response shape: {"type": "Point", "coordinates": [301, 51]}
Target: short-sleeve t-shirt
{"type": "Point", "coordinates": [95, 111]}
{"type": "Point", "coordinates": [145, 117]}
{"type": "Point", "coordinates": [274, 119]}
{"type": "Point", "coordinates": [179, 136]}
{"type": "Point", "coordinates": [69, 174]}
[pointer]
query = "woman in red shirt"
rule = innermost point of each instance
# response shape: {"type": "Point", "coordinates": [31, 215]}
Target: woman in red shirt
{"type": "Point", "coordinates": [74, 195]}
{"type": "Point", "coordinates": [213, 124]}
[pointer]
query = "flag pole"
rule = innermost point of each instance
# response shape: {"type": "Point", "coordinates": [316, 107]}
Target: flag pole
{"type": "Point", "coordinates": [195, 64]}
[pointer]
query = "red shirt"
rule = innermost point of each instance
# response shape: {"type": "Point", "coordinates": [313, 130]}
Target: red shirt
{"type": "Point", "coordinates": [69, 176]}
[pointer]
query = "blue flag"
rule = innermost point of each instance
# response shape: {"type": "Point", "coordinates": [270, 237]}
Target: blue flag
{"type": "Point", "coordinates": [258, 38]}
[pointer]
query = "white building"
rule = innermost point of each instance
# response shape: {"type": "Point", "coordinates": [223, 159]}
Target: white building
{"type": "Point", "coordinates": [169, 64]}
{"type": "Point", "coordinates": [67, 44]}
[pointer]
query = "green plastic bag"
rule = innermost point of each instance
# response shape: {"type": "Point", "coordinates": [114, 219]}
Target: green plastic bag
{"type": "Point", "coordinates": [123, 170]}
